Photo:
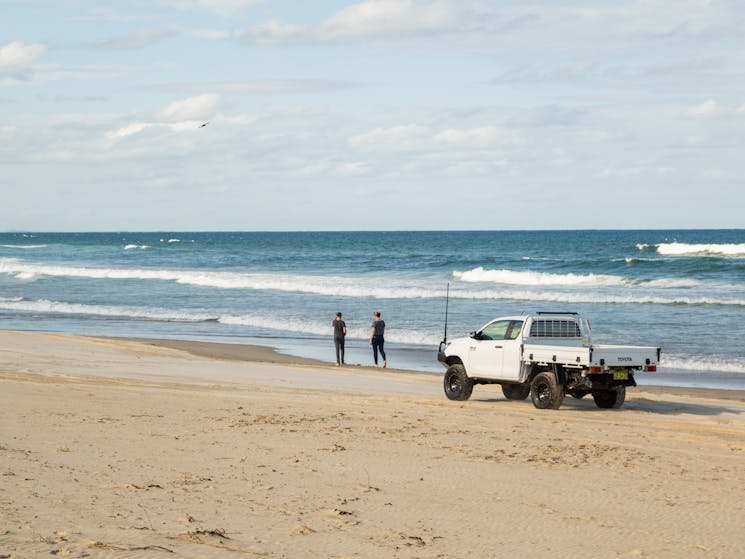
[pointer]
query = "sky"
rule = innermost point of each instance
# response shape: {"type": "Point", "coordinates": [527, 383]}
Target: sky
{"type": "Point", "coordinates": [371, 115]}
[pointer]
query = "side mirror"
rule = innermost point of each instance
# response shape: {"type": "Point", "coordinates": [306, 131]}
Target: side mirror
{"type": "Point", "coordinates": [475, 335]}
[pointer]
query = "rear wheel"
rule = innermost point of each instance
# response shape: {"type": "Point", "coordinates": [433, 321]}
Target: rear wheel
{"type": "Point", "coordinates": [457, 384]}
{"type": "Point", "coordinates": [515, 391]}
{"type": "Point", "coordinates": [546, 392]}
{"type": "Point", "coordinates": [610, 398]}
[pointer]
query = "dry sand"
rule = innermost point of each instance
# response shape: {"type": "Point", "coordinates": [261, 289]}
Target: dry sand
{"type": "Point", "coordinates": [122, 448]}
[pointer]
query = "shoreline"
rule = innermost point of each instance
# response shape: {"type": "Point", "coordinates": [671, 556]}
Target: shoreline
{"type": "Point", "coordinates": [420, 360]}
{"type": "Point", "coordinates": [266, 354]}
{"type": "Point", "coordinates": [253, 353]}
{"type": "Point", "coordinates": [260, 353]}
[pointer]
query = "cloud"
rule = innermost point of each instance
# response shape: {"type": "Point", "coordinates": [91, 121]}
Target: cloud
{"type": "Point", "coordinates": [427, 141]}
{"type": "Point", "coordinates": [683, 67]}
{"type": "Point", "coordinates": [352, 169]}
{"type": "Point", "coordinates": [461, 168]}
{"type": "Point", "coordinates": [136, 40]}
{"type": "Point", "coordinates": [223, 8]}
{"type": "Point", "coordinates": [392, 17]}
{"type": "Point", "coordinates": [712, 109]}
{"type": "Point", "coordinates": [415, 150]}
{"type": "Point", "coordinates": [259, 86]}
{"type": "Point", "coordinates": [653, 19]}
{"type": "Point", "coordinates": [192, 108]}
{"type": "Point", "coordinates": [137, 127]}
{"type": "Point", "coordinates": [184, 115]}
{"type": "Point", "coordinates": [621, 172]}
{"type": "Point", "coordinates": [551, 115]}
{"type": "Point", "coordinates": [707, 108]}
{"type": "Point", "coordinates": [471, 137]}
{"type": "Point", "coordinates": [605, 70]}
{"type": "Point", "coordinates": [406, 136]}
{"type": "Point", "coordinates": [368, 20]}
{"type": "Point", "coordinates": [16, 59]}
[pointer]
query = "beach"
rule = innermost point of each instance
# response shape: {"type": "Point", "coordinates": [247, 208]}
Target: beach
{"type": "Point", "coordinates": [131, 448]}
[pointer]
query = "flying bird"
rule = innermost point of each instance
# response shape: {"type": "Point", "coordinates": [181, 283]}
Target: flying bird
{"type": "Point", "coordinates": [203, 124]}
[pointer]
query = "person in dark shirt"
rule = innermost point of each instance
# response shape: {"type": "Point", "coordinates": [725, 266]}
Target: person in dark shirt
{"type": "Point", "coordinates": [340, 331]}
{"type": "Point", "coordinates": [376, 338]}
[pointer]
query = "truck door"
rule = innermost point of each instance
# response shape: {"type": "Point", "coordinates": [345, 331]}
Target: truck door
{"type": "Point", "coordinates": [486, 349]}
{"type": "Point", "coordinates": [512, 352]}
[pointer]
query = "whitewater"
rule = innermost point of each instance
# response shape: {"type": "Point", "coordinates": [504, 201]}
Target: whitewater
{"type": "Point", "coordinates": [681, 290]}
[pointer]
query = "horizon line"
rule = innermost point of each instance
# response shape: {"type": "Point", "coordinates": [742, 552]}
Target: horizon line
{"type": "Point", "coordinates": [548, 229]}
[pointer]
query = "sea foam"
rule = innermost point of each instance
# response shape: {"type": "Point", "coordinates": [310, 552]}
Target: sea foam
{"type": "Point", "coordinates": [510, 277]}
{"type": "Point", "coordinates": [266, 322]}
{"type": "Point", "coordinates": [579, 297]}
{"type": "Point", "coordinates": [319, 285]}
{"type": "Point", "coordinates": [685, 249]}
{"type": "Point", "coordinates": [701, 364]}
{"type": "Point", "coordinates": [525, 285]}
{"type": "Point", "coordinates": [102, 311]}
{"type": "Point", "coordinates": [317, 328]}
{"type": "Point", "coordinates": [300, 327]}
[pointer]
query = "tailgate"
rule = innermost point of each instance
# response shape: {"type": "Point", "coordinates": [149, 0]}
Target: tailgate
{"type": "Point", "coordinates": [624, 356]}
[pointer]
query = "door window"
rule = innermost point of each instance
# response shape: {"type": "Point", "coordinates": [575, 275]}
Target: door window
{"type": "Point", "coordinates": [495, 331]}
{"type": "Point", "coordinates": [514, 331]}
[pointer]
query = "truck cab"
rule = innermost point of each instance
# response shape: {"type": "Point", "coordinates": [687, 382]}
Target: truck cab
{"type": "Point", "coordinates": [494, 350]}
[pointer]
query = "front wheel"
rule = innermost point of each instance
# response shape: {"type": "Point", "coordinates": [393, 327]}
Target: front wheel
{"type": "Point", "coordinates": [515, 391]}
{"type": "Point", "coordinates": [546, 392]}
{"type": "Point", "coordinates": [610, 398]}
{"type": "Point", "coordinates": [457, 384]}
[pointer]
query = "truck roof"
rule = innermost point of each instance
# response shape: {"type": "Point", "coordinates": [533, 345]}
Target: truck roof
{"type": "Point", "coordinates": [557, 313]}
{"type": "Point", "coordinates": [540, 314]}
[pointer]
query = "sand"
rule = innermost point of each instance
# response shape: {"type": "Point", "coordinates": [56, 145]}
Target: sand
{"type": "Point", "coordinates": [125, 448]}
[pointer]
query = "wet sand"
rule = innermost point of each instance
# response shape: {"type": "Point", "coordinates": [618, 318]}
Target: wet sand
{"type": "Point", "coordinates": [125, 448]}
{"type": "Point", "coordinates": [265, 354]}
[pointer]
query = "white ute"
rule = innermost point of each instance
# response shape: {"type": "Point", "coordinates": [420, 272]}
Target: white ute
{"type": "Point", "coordinates": [546, 355]}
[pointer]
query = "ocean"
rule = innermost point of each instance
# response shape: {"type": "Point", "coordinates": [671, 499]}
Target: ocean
{"type": "Point", "coordinates": [681, 290]}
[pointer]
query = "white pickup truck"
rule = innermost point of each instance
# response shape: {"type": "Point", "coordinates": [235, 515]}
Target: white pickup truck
{"type": "Point", "coordinates": [546, 355]}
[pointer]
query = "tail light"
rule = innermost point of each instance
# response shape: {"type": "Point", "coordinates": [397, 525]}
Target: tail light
{"type": "Point", "coordinates": [651, 368]}
{"type": "Point", "coordinates": [596, 369]}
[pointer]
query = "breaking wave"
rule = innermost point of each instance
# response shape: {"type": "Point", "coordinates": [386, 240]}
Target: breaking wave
{"type": "Point", "coordinates": [510, 277]}
{"type": "Point", "coordinates": [24, 247]}
{"type": "Point", "coordinates": [686, 249]}
{"type": "Point", "coordinates": [143, 313]}
{"type": "Point", "coordinates": [594, 298]}
{"type": "Point", "coordinates": [544, 279]}
{"type": "Point", "coordinates": [319, 285]}
{"type": "Point", "coordinates": [517, 286]}
{"type": "Point", "coordinates": [315, 328]}
{"type": "Point", "coordinates": [701, 364]}
{"type": "Point", "coordinates": [265, 322]}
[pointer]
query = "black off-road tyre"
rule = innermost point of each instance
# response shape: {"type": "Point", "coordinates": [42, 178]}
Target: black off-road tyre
{"type": "Point", "coordinates": [515, 391]}
{"type": "Point", "coordinates": [457, 384]}
{"type": "Point", "coordinates": [546, 392]}
{"type": "Point", "coordinates": [610, 398]}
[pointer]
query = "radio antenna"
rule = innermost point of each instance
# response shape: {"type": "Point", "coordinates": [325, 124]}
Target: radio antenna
{"type": "Point", "coordinates": [443, 343]}
{"type": "Point", "coordinates": [447, 300]}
